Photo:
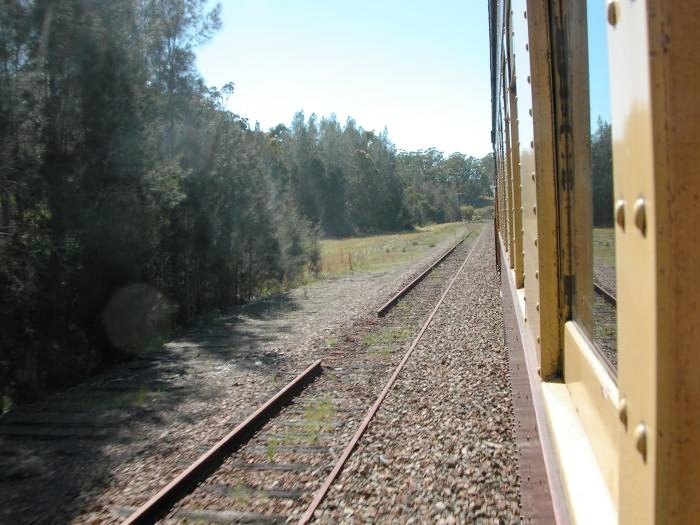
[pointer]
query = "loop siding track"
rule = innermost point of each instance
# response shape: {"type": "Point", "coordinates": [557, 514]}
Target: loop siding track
{"type": "Point", "coordinates": [392, 302]}
{"type": "Point", "coordinates": [353, 372]}
{"type": "Point", "coordinates": [318, 498]}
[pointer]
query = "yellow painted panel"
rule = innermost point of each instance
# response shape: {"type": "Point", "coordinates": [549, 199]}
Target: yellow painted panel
{"type": "Point", "coordinates": [526, 154]}
{"type": "Point", "coordinates": [540, 193]}
{"type": "Point", "coordinates": [633, 162]}
{"type": "Point", "coordinates": [675, 83]}
{"type": "Point", "coordinates": [517, 193]}
{"type": "Point", "coordinates": [595, 396]}
{"type": "Point", "coordinates": [587, 497]}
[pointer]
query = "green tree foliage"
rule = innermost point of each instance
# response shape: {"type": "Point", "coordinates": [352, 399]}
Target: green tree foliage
{"type": "Point", "coordinates": [601, 166]}
{"type": "Point", "coordinates": [131, 198]}
{"type": "Point", "coordinates": [121, 171]}
{"type": "Point", "coordinates": [437, 186]}
{"type": "Point", "coordinates": [343, 179]}
{"type": "Point", "coordinates": [467, 212]}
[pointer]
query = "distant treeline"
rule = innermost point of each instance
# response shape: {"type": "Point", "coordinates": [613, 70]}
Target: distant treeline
{"type": "Point", "coordinates": [131, 199]}
{"type": "Point", "coordinates": [350, 181]}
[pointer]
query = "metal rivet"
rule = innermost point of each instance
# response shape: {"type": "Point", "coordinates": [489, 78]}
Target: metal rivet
{"type": "Point", "coordinates": [620, 213]}
{"type": "Point", "coordinates": [622, 411]}
{"type": "Point", "coordinates": [538, 339]}
{"type": "Point", "coordinates": [537, 307]}
{"type": "Point", "coordinates": [537, 275]}
{"type": "Point", "coordinates": [640, 440]}
{"type": "Point", "coordinates": [528, 79]}
{"type": "Point", "coordinates": [527, 47]}
{"type": "Point", "coordinates": [612, 13]}
{"type": "Point", "coordinates": [539, 371]}
{"type": "Point", "coordinates": [530, 111]}
{"type": "Point", "coordinates": [535, 241]}
{"type": "Point", "coordinates": [533, 175]}
{"type": "Point", "coordinates": [525, 318]}
{"type": "Point", "coordinates": [534, 210]}
{"type": "Point", "coordinates": [532, 144]}
{"type": "Point", "coordinates": [640, 215]}
{"type": "Point", "coordinates": [525, 14]}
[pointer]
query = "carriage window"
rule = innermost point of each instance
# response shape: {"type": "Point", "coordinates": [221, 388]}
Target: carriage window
{"type": "Point", "coordinates": [593, 230]}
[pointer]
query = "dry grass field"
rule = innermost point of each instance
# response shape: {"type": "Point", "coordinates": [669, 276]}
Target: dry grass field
{"type": "Point", "coordinates": [382, 252]}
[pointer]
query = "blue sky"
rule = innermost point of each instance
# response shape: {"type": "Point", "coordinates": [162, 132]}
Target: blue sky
{"type": "Point", "coordinates": [598, 68]}
{"type": "Point", "coordinates": [418, 67]}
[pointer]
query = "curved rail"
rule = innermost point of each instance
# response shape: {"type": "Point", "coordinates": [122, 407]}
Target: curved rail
{"type": "Point", "coordinates": [395, 299]}
{"type": "Point", "coordinates": [321, 493]}
{"type": "Point", "coordinates": [159, 505]}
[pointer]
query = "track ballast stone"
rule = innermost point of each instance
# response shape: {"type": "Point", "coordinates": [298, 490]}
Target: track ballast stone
{"type": "Point", "coordinates": [127, 432]}
{"type": "Point", "coordinates": [442, 447]}
{"type": "Point", "coordinates": [318, 424]}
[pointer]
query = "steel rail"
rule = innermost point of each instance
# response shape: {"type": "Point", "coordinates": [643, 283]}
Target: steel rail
{"type": "Point", "coordinates": [321, 493]}
{"type": "Point", "coordinates": [159, 505]}
{"type": "Point", "coordinates": [609, 298]}
{"type": "Point", "coordinates": [391, 302]}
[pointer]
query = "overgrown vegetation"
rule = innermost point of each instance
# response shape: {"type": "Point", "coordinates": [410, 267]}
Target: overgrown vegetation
{"type": "Point", "coordinates": [604, 247]}
{"type": "Point", "coordinates": [131, 199]}
{"type": "Point", "coordinates": [379, 252]}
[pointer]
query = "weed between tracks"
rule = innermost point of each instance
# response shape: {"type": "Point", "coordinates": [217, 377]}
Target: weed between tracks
{"type": "Point", "coordinates": [387, 335]}
{"type": "Point", "coordinates": [241, 494]}
{"type": "Point", "coordinates": [436, 274]}
{"type": "Point", "coordinates": [318, 417]}
{"type": "Point", "coordinates": [402, 308]}
{"type": "Point", "coordinates": [271, 449]}
{"type": "Point", "coordinates": [382, 353]}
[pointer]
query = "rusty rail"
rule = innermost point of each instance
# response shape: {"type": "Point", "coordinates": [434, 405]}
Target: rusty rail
{"type": "Point", "coordinates": [160, 504]}
{"type": "Point", "coordinates": [321, 493]}
{"type": "Point", "coordinates": [609, 298]}
{"type": "Point", "coordinates": [395, 299]}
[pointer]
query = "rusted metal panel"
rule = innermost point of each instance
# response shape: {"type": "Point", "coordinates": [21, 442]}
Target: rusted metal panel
{"type": "Point", "coordinates": [536, 497]}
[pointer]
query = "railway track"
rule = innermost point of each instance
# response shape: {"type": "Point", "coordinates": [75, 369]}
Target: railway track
{"type": "Point", "coordinates": [605, 294]}
{"type": "Point", "coordinates": [278, 464]}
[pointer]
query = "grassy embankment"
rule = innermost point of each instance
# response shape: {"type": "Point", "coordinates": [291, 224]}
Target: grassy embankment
{"type": "Point", "coordinates": [604, 247]}
{"type": "Point", "coordinates": [383, 252]}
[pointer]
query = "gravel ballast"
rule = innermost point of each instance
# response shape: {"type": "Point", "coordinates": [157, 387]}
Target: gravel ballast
{"type": "Point", "coordinates": [118, 438]}
{"type": "Point", "coordinates": [312, 431]}
{"type": "Point", "coordinates": [442, 447]}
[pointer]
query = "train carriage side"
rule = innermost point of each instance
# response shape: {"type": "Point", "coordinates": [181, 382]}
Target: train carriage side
{"type": "Point", "coordinates": [596, 120]}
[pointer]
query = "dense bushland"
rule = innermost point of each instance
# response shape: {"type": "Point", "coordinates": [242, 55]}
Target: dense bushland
{"type": "Point", "coordinates": [132, 199]}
